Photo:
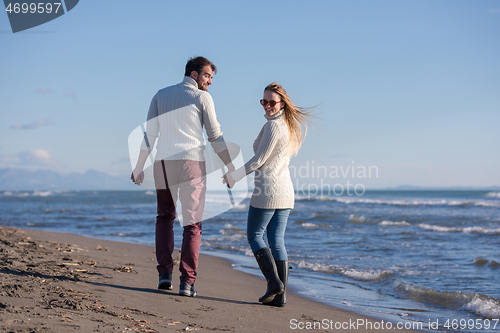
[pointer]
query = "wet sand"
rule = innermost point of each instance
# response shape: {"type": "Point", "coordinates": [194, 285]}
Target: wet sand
{"type": "Point", "coordinates": [56, 282]}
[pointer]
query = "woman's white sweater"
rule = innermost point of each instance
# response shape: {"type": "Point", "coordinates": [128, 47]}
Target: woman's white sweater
{"type": "Point", "coordinates": [273, 185]}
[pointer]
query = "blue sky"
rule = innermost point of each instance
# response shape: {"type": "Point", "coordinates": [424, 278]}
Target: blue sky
{"type": "Point", "coordinates": [411, 87]}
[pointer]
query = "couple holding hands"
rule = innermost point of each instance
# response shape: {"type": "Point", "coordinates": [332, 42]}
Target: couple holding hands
{"type": "Point", "coordinates": [176, 119]}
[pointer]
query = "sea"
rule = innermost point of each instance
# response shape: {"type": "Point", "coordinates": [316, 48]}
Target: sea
{"type": "Point", "coordinates": [428, 257]}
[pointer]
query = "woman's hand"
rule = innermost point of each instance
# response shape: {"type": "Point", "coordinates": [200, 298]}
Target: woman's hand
{"type": "Point", "coordinates": [228, 180]}
{"type": "Point", "coordinates": [137, 176]}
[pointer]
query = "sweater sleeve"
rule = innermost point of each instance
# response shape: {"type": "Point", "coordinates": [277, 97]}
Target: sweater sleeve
{"type": "Point", "coordinates": [268, 141]}
{"type": "Point", "coordinates": [212, 126]}
{"type": "Point", "coordinates": [152, 126]}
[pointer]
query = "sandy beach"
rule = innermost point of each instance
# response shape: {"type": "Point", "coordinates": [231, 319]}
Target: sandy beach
{"type": "Point", "coordinates": [56, 282]}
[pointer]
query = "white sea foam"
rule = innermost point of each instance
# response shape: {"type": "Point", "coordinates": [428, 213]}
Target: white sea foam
{"type": "Point", "coordinates": [27, 194]}
{"type": "Point", "coordinates": [316, 267]}
{"type": "Point", "coordinates": [149, 193]}
{"type": "Point", "coordinates": [230, 229]}
{"type": "Point", "coordinates": [487, 204]}
{"type": "Point", "coordinates": [391, 223]}
{"type": "Point", "coordinates": [361, 275]}
{"type": "Point", "coordinates": [466, 230]}
{"type": "Point", "coordinates": [315, 225]}
{"type": "Point", "coordinates": [366, 275]}
{"type": "Point", "coordinates": [41, 193]}
{"type": "Point", "coordinates": [357, 219]}
{"type": "Point", "coordinates": [482, 305]}
{"type": "Point", "coordinates": [493, 194]}
{"type": "Point", "coordinates": [227, 236]}
{"type": "Point", "coordinates": [439, 228]}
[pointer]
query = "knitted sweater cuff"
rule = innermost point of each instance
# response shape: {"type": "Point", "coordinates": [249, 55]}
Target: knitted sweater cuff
{"type": "Point", "coordinates": [239, 174]}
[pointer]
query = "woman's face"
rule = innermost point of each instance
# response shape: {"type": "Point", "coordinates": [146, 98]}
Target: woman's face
{"type": "Point", "coordinates": [272, 96]}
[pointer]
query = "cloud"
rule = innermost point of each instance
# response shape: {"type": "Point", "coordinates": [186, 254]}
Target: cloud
{"type": "Point", "coordinates": [34, 125]}
{"type": "Point", "coordinates": [495, 10]}
{"type": "Point", "coordinates": [45, 90]}
{"type": "Point", "coordinates": [72, 95]}
{"type": "Point", "coordinates": [33, 157]}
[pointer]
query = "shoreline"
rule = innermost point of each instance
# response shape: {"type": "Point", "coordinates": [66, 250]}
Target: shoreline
{"type": "Point", "coordinates": [54, 281]}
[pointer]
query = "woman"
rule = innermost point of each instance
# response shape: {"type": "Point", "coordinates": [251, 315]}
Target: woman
{"type": "Point", "coordinates": [273, 196]}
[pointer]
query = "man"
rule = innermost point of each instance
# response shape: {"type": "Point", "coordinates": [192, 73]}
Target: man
{"type": "Point", "coordinates": [177, 115]}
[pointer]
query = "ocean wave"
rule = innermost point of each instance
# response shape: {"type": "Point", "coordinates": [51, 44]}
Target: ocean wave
{"type": "Point", "coordinates": [319, 216]}
{"type": "Point", "coordinates": [487, 204]}
{"type": "Point", "coordinates": [225, 202]}
{"type": "Point", "coordinates": [366, 275]}
{"type": "Point", "coordinates": [241, 206]}
{"type": "Point", "coordinates": [225, 247]}
{"type": "Point", "coordinates": [479, 304]}
{"type": "Point", "coordinates": [35, 193]}
{"type": "Point", "coordinates": [416, 202]}
{"type": "Point", "coordinates": [149, 193]}
{"type": "Point", "coordinates": [359, 219]}
{"type": "Point", "coordinates": [466, 230]}
{"type": "Point", "coordinates": [314, 225]}
{"type": "Point", "coordinates": [355, 274]}
{"type": "Point", "coordinates": [231, 237]}
{"type": "Point", "coordinates": [135, 234]}
{"type": "Point", "coordinates": [41, 193]}
{"type": "Point", "coordinates": [230, 229]}
{"type": "Point", "coordinates": [16, 194]}
{"type": "Point", "coordinates": [391, 223]}
{"type": "Point", "coordinates": [487, 308]}
{"type": "Point", "coordinates": [493, 194]}
{"type": "Point", "coordinates": [481, 262]}
{"type": "Point", "coordinates": [229, 226]}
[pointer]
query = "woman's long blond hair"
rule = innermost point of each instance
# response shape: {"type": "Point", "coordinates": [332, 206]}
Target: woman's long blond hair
{"type": "Point", "coordinates": [297, 118]}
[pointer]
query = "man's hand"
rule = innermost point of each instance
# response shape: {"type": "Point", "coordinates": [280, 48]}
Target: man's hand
{"type": "Point", "coordinates": [137, 176]}
{"type": "Point", "coordinates": [228, 180]}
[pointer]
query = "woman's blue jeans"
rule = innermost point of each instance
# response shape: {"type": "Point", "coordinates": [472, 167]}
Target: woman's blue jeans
{"type": "Point", "coordinates": [272, 220]}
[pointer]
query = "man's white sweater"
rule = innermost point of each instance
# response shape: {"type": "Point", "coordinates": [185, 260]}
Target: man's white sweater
{"type": "Point", "coordinates": [176, 117]}
{"type": "Point", "coordinates": [273, 185]}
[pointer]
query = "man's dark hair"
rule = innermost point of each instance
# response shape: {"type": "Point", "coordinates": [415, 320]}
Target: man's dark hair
{"type": "Point", "coordinates": [197, 64]}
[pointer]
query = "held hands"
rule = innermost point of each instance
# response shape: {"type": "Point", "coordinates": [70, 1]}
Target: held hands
{"type": "Point", "coordinates": [228, 180]}
{"type": "Point", "coordinates": [137, 176]}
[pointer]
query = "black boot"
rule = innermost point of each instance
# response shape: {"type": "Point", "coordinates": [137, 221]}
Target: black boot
{"type": "Point", "coordinates": [268, 268]}
{"type": "Point", "coordinates": [282, 266]}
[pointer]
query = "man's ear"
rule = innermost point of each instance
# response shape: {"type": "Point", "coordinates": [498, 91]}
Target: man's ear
{"type": "Point", "coordinates": [194, 75]}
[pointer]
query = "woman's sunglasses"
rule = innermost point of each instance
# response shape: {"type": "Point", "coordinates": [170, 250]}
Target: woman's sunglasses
{"type": "Point", "coordinates": [264, 102]}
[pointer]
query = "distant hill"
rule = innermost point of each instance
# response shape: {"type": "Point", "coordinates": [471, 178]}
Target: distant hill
{"type": "Point", "coordinates": [25, 180]}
